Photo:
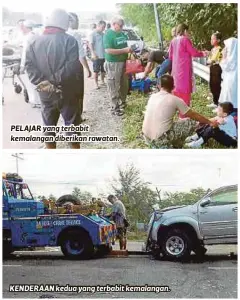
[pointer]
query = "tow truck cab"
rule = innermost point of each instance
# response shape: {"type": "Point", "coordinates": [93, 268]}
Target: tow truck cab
{"type": "Point", "coordinates": [27, 224]}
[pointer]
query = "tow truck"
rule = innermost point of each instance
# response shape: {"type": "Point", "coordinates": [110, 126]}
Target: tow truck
{"type": "Point", "coordinates": [27, 224]}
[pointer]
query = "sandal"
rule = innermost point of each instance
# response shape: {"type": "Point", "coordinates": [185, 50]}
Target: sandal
{"type": "Point", "coordinates": [118, 112]}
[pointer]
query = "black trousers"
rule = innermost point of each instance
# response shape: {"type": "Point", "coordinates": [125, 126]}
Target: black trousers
{"type": "Point", "coordinates": [215, 82]}
{"type": "Point", "coordinates": [207, 132]}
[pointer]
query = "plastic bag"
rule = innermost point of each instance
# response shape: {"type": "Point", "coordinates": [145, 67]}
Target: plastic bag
{"type": "Point", "coordinates": [134, 66]}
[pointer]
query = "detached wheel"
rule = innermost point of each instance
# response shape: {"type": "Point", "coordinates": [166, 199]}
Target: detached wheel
{"type": "Point", "coordinates": [77, 245]}
{"type": "Point", "coordinates": [17, 89]}
{"type": "Point", "coordinates": [25, 94]}
{"type": "Point", "coordinates": [67, 199]}
{"type": "Point", "coordinates": [176, 245]}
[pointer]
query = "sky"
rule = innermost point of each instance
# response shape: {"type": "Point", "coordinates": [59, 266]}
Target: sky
{"type": "Point", "coordinates": [44, 6]}
{"type": "Point", "coordinates": [93, 170]}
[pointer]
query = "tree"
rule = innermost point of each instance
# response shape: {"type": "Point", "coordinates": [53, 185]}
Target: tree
{"type": "Point", "coordinates": [51, 197]}
{"type": "Point", "coordinates": [41, 198]}
{"type": "Point", "coordinates": [183, 198]}
{"type": "Point", "coordinates": [82, 195]}
{"type": "Point", "coordinates": [135, 193]}
{"type": "Point", "coordinates": [203, 19]}
{"type": "Point", "coordinates": [139, 198]}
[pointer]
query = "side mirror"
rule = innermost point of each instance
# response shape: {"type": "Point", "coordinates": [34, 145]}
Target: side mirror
{"type": "Point", "coordinates": [141, 37]}
{"type": "Point", "coordinates": [205, 202]}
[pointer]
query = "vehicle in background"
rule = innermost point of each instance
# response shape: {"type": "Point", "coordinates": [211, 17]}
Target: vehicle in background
{"type": "Point", "coordinates": [134, 38]}
{"type": "Point", "coordinates": [176, 231]}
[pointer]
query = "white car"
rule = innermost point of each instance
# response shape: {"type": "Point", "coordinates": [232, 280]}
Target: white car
{"type": "Point", "coordinates": [134, 38]}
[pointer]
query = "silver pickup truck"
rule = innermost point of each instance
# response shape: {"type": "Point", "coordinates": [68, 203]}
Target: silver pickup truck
{"type": "Point", "coordinates": [176, 231]}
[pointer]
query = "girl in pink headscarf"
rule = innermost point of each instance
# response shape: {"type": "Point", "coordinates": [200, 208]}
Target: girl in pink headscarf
{"type": "Point", "coordinates": [180, 53]}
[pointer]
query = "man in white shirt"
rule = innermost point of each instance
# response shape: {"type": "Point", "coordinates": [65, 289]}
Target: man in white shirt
{"type": "Point", "coordinates": [159, 128]}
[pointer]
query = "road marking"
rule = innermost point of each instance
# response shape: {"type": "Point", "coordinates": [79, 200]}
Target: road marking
{"type": "Point", "coordinates": [222, 268]}
{"type": "Point", "coordinates": [12, 265]}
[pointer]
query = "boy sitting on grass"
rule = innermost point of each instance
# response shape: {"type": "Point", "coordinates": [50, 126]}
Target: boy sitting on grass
{"type": "Point", "coordinates": [225, 133]}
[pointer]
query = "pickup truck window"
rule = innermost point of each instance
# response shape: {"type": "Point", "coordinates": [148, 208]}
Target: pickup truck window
{"type": "Point", "coordinates": [224, 198]}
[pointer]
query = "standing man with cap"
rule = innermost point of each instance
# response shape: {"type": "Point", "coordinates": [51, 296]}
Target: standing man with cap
{"type": "Point", "coordinates": [28, 36]}
{"type": "Point", "coordinates": [53, 65]}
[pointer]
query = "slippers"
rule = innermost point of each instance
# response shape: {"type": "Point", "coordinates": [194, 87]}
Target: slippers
{"type": "Point", "coordinates": [118, 112]}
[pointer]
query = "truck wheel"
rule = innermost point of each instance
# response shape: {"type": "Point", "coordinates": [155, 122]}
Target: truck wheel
{"type": "Point", "coordinates": [77, 245]}
{"type": "Point", "coordinates": [176, 245]}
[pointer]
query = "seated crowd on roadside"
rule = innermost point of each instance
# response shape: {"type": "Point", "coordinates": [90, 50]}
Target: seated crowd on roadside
{"type": "Point", "coordinates": [161, 126]}
{"type": "Point", "coordinates": [51, 80]}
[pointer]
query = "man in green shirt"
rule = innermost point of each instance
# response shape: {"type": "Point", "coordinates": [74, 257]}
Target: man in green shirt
{"type": "Point", "coordinates": [116, 54]}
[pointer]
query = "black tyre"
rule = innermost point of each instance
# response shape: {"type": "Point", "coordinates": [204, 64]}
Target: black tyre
{"type": "Point", "coordinates": [77, 244]}
{"type": "Point", "coordinates": [67, 199]}
{"type": "Point", "coordinates": [176, 245]}
{"type": "Point", "coordinates": [17, 89]}
{"type": "Point", "coordinates": [25, 94]}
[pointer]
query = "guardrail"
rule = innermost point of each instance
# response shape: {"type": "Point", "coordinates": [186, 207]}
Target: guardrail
{"type": "Point", "coordinates": [201, 71]}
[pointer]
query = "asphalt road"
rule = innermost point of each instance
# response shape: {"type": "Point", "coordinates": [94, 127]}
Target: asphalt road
{"type": "Point", "coordinates": [97, 114]}
{"type": "Point", "coordinates": [215, 277]}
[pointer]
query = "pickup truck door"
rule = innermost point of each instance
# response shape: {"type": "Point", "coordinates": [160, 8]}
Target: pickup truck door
{"type": "Point", "coordinates": [218, 219]}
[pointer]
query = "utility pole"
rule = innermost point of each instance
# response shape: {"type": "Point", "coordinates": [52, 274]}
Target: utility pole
{"type": "Point", "coordinates": [158, 25]}
{"type": "Point", "coordinates": [17, 158]}
{"type": "Point", "coordinates": [219, 172]}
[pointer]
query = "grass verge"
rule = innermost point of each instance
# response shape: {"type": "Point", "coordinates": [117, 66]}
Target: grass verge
{"type": "Point", "coordinates": [137, 236]}
{"type": "Point", "coordinates": [133, 118]}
